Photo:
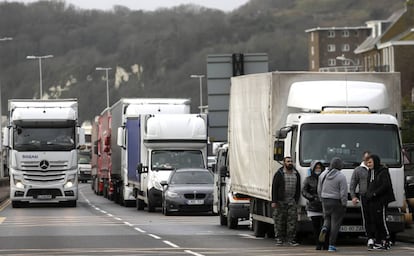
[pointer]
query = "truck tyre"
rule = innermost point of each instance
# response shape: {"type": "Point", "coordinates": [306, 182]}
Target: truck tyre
{"type": "Point", "coordinates": [17, 204]}
{"type": "Point", "coordinates": [150, 206]}
{"type": "Point", "coordinates": [259, 228]}
{"type": "Point", "coordinates": [71, 203]}
{"type": "Point", "coordinates": [140, 204]}
{"type": "Point", "coordinates": [223, 219]}
{"type": "Point", "coordinates": [232, 222]}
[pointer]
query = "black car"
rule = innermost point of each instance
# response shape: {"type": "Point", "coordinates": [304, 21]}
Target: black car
{"type": "Point", "coordinates": [188, 190]}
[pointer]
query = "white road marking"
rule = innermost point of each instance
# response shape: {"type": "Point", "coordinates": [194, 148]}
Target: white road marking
{"type": "Point", "coordinates": [193, 253]}
{"type": "Point", "coordinates": [154, 236]}
{"type": "Point", "coordinates": [140, 230]}
{"type": "Point", "coordinates": [117, 218]}
{"type": "Point", "coordinates": [171, 244]}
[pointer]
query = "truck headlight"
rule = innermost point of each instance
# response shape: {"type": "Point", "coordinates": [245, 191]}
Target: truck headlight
{"type": "Point", "coordinates": [70, 182]}
{"type": "Point", "coordinates": [18, 182]}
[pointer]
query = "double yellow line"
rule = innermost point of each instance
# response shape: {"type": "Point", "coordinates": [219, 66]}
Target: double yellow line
{"type": "Point", "coordinates": [4, 204]}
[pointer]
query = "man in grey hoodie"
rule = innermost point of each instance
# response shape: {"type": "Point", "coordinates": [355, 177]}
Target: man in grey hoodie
{"type": "Point", "coordinates": [359, 180]}
{"type": "Point", "coordinates": [333, 191]}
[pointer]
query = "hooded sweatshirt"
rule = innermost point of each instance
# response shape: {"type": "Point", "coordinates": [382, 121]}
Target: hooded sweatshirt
{"type": "Point", "coordinates": [332, 183]}
{"type": "Point", "coordinates": [309, 190]}
{"type": "Point", "coordinates": [359, 179]}
{"type": "Point", "coordinates": [379, 183]}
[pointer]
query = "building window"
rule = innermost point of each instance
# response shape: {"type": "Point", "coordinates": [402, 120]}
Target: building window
{"type": "Point", "coordinates": [312, 35]}
{"type": "Point", "coordinates": [331, 48]}
{"type": "Point", "coordinates": [312, 50]}
{"type": "Point", "coordinates": [346, 62]}
{"type": "Point", "coordinates": [331, 33]}
{"type": "Point", "coordinates": [313, 64]}
{"type": "Point", "coordinates": [356, 33]}
{"type": "Point", "coordinates": [345, 48]}
{"type": "Point", "coordinates": [331, 62]}
{"type": "Point", "coordinates": [345, 33]}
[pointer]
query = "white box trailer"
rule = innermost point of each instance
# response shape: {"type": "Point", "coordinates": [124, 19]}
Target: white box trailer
{"type": "Point", "coordinates": [164, 142]}
{"type": "Point", "coordinates": [42, 139]}
{"type": "Point", "coordinates": [312, 116]}
{"type": "Point", "coordinates": [123, 116]}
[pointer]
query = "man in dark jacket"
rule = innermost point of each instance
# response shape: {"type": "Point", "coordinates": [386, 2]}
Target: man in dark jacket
{"type": "Point", "coordinates": [285, 196]}
{"type": "Point", "coordinates": [379, 194]}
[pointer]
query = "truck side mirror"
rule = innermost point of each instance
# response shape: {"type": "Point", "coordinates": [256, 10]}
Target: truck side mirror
{"type": "Point", "coordinates": [224, 172]}
{"type": "Point", "coordinates": [6, 137]}
{"type": "Point", "coordinates": [139, 168]}
{"type": "Point", "coordinates": [278, 150]}
{"type": "Point", "coordinates": [213, 168]}
{"type": "Point", "coordinates": [164, 183]}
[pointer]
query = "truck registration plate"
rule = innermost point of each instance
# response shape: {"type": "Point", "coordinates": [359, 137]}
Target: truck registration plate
{"type": "Point", "coordinates": [44, 197]}
{"type": "Point", "coordinates": [195, 202]}
{"type": "Point", "coordinates": [352, 229]}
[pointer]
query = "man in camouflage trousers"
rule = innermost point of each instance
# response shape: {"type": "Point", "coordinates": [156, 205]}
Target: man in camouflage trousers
{"type": "Point", "coordinates": [285, 196]}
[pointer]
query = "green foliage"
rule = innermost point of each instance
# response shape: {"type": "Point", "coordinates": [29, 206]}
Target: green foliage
{"type": "Point", "coordinates": [157, 51]}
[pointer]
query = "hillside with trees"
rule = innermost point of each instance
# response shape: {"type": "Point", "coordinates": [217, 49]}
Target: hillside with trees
{"type": "Point", "coordinates": [153, 53]}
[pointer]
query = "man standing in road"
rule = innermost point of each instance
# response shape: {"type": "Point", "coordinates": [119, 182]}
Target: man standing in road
{"type": "Point", "coordinates": [359, 180]}
{"type": "Point", "coordinates": [285, 196]}
{"type": "Point", "coordinates": [379, 194]}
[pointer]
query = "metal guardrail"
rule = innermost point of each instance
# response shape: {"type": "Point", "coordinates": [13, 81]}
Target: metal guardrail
{"type": "Point", "coordinates": [4, 189]}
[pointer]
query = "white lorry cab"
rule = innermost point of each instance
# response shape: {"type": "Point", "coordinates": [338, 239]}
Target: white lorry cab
{"type": "Point", "coordinates": [42, 138]}
{"type": "Point", "coordinates": [313, 116]}
{"type": "Point", "coordinates": [167, 142]}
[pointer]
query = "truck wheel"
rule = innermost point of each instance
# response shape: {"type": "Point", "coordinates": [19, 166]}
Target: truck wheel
{"type": "Point", "coordinates": [223, 219]}
{"type": "Point", "coordinates": [71, 203]}
{"type": "Point", "coordinates": [17, 204]}
{"type": "Point", "coordinates": [259, 228]}
{"type": "Point", "coordinates": [232, 222]}
{"type": "Point", "coordinates": [150, 206]}
{"type": "Point", "coordinates": [140, 205]}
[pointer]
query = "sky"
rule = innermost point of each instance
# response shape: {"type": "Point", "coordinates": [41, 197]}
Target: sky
{"type": "Point", "coordinates": [148, 5]}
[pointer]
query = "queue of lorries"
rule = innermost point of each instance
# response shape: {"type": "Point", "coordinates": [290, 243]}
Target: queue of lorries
{"type": "Point", "coordinates": [139, 147]}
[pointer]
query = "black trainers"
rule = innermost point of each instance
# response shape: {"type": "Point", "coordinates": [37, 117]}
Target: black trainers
{"type": "Point", "coordinates": [380, 247]}
{"type": "Point", "coordinates": [279, 241]}
{"type": "Point", "coordinates": [322, 234]}
{"type": "Point", "coordinates": [293, 243]}
{"type": "Point", "coordinates": [370, 244]}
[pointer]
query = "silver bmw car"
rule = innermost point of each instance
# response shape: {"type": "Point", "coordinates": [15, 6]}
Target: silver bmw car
{"type": "Point", "coordinates": [188, 190]}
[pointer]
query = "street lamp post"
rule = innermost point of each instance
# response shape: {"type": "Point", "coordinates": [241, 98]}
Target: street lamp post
{"type": "Point", "coordinates": [343, 58]}
{"type": "Point", "coordinates": [1, 120]}
{"type": "Point", "coordinates": [107, 85]}
{"type": "Point", "coordinates": [200, 77]}
{"type": "Point", "coordinates": [31, 57]}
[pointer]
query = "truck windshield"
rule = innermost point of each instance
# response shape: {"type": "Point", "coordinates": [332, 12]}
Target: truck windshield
{"type": "Point", "coordinates": [175, 159]}
{"type": "Point", "coordinates": [349, 141]}
{"type": "Point", "coordinates": [84, 158]}
{"type": "Point", "coordinates": [44, 138]}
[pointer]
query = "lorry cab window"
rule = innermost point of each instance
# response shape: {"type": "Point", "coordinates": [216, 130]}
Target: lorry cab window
{"type": "Point", "coordinates": [175, 159]}
{"type": "Point", "coordinates": [44, 138]}
{"type": "Point", "coordinates": [323, 141]}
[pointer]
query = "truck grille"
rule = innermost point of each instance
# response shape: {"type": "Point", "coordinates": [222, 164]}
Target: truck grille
{"type": "Point", "coordinates": [38, 172]}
